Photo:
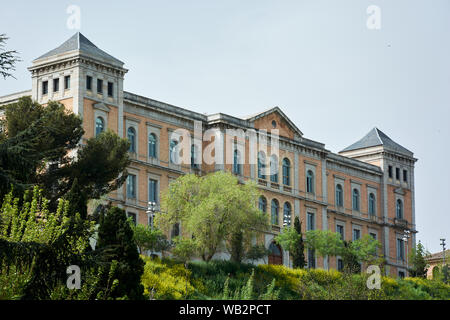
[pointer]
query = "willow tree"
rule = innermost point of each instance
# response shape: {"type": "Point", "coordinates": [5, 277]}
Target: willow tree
{"type": "Point", "coordinates": [213, 209]}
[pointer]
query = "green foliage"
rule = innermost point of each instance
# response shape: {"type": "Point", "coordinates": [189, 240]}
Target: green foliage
{"type": "Point", "coordinates": [167, 280]}
{"type": "Point", "coordinates": [8, 58]}
{"type": "Point", "coordinates": [419, 266]}
{"type": "Point", "coordinates": [324, 242]}
{"type": "Point", "coordinates": [115, 234]}
{"type": "Point", "coordinates": [184, 249]}
{"type": "Point", "coordinates": [298, 251]}
{"type": "Point", "coordinates": [37, 245]}
{"type": "Point", "coordinates": [213, 208]}
{"type": "Point", "coordinates": [256, 252]}
{"type": "Point", "coordinates": [229, 280]}
{"type": "Point", "coordinates": [148, 238]}
{"type": "Point", "coordinates": [38, 145]}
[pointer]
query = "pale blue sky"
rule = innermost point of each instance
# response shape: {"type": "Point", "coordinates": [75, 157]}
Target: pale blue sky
{"type": "Point", "coordinates": [315, 59]}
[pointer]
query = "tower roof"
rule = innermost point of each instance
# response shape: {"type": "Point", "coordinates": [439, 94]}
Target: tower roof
{"type": "Point", "coordinates": [376, 137]}
{"type": "Point", "coordinates": [79, 42]}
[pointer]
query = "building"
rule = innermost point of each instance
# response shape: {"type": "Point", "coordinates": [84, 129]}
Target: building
{"type": "Point", "coordinates": [367, 188]}
{"type": "Point", "coordinates": [435, 262]}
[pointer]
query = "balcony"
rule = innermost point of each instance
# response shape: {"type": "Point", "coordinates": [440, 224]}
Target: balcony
{"type": "Point", "coordinates": [287, 189]}
{"type": "Point", "coordinates": [262, 182]}
{"type": "Point", "coordinates": [401, 222]}
{"type": "Point", "coordinates": [275, 185]}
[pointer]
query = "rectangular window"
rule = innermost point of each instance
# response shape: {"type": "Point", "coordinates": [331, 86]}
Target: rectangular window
{"type": "Point", "coordinates": [131, 186]}
{"type": "Point", "coordinates": [356, 234]}
{"type": "Point", "coordinates": [55, 85]}
{"type": "Point", "coordinates": [152, 190]}
{"type": "Point", "coordinates": [132, 216]}
{"type": "Point", "coordinates": [400, 249]}
{"type": "Point", "coordinates": [110, 89]}
{"type": "Point", "coordinates": [99, 86]}
{"type": "Point", "coordinates": [310, 221]}
{"type": "Point", "coordinates": [373, 235]}
{"type": "Point", "coordinates": [44, 87]}
{"type": "Point", "coordinates": [67, 82]}
{"type": "Point", "coordinates": [311, 259]}
{"type": "Point", "coordinates": [340, 230]}
{"type": "Point", "coordinates": [88, 83]}
{"type": "Point", "coordinates": [340, 264]}
{"type": "Point", "coordinates": [390, 171]}
{"type": "Point", "coordinates": [397, 173]}
{"type": "Point", "coordinates": [405, 176]}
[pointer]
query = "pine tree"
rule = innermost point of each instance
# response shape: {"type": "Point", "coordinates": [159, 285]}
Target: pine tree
{"type": "Point", "coordinates": [418, 262]}
{"type": "Point", "coordinates": [116, 236]}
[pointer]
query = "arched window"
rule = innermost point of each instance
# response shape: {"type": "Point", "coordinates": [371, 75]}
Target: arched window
{"type": "Point", "coordinates": [99, 126]}
{"type": "Point", "coordinates": [399, 209]}
{"type": "Point", "coordinates": [261, 165]}
{"type": "Point", "coordinates": [194, 165]}
{"type": "Point", "coordinates": [372, 204]}
{"type": "Point", "coordinates": [339, 196]}
{"type": "Point", "coordinates": [131, 134]}
{"type": "Point", "coordinates": [152, 145]}
{"type": "Point", "coordinates": [173, 158]}
{"type": "Point", "coordinates": [274, 210]}
{"type": "Point", "coordinates": [286, 172]}
{"type": "Point", "coordinates": [237, 167]}
{"type": "Point", "coordinates": [274, 168]}
{"type": "Point", "coordinates": [310, 181]}
{"type": "Point", "coordinates": [262, 204]}
{"type": "Point", "coordinates": [287, 214]}
{"type": "Point", "coordinates": [355, 200]}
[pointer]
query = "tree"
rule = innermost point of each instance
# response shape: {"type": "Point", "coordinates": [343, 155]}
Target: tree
{"type": "Point", "coordinates": [298, 252]}
{"type": "Point", "coordinates": [213, 209]}
{"type": "Point", "coordinates": [115, 235]}
{"type": "Point", "coordinates": [8, 58]}
{"type": "Point", "coordinates": [40, 146]}
{"type": "Point", "coordinates": [288, 239]}
{"type": "Point", "coordinates": [324, 242]}
{"type": "Point", "coordinates": [37, 245]}
{"type": "Point", "coordinates": [148, 238]}
{"type": "Point", "coordinates": [419, 266]}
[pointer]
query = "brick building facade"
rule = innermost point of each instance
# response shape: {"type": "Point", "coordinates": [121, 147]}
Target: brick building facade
{"type": "Point", "coordinates": [368, 188]}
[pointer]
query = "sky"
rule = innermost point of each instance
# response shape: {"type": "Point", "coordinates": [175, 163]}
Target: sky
{"type": "Point", "coordinates": [317, 60]}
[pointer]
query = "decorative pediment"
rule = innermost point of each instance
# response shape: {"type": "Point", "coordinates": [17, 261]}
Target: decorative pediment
{"type": "Point", "coordinates": [274, 118]}
{"type": "Point", "coordinates": [101, 106]}
{"type": "Point", "coordinates": [400, 191]}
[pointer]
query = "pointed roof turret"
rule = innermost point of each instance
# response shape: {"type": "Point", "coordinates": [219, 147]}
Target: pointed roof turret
{"type": "Point", "coordinates": [374, 138]}
{"type": "Point", "coordinates": [78, 43]}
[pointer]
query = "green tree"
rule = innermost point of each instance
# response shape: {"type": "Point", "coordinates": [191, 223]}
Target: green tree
{"type": "Point", "coordinates": [37, 245]}
{"type": "Point", "coordinates": [8, 58]}
{"type": "Point", "coordinates": [116, 236]}
{"type": "Point", "coordinates": [419, 266]}
{"type": "Point", "coordinates": [213, 209]}
{"type": "Point", "coordinates": [40, 146]}
{"type": "Point", "coordinates": [298, 251]}
{"type": "Point", "coordinates": [324, 242]}
{"type": "Point", "coordinates": [148, 238]}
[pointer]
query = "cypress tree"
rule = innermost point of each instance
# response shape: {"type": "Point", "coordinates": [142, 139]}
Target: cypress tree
{"type": "Point", "coordinates": [298, 254]}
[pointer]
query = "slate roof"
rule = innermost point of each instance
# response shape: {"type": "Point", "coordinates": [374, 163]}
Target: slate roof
{"type": "Point", "coordinates": [81, 43]}
{"type": "Point", "coordinates": [376, 137]}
